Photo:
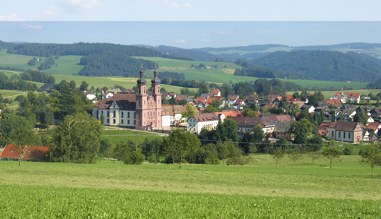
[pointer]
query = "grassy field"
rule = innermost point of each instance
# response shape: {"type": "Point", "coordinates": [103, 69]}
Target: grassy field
{"type": "Point", "coordinates": [124, 135]}
{"type": "Point", "coordinates": [112, 189]}
{"type": "Point", "coordinates": [66, 65]}
{"type": "Point", "coordinates": [225, 74]}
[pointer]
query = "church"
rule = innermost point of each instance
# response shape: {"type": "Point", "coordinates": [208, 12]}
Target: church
{"type": "Point", "coordinates": [142, 110]}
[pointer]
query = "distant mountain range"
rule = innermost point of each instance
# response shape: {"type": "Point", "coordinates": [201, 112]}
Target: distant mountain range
{"type": "Point", "coordinates": [258, 51]}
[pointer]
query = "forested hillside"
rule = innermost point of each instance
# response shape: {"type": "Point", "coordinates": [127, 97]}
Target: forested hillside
{"type": "Point", "coordinates": [82, 49]}
{"type": "Point", "coordinates": [187, 54]}
{"type": "Point", "coordinates": [100, 59]}
{"type": "Point", "coordinates": [323, 65]}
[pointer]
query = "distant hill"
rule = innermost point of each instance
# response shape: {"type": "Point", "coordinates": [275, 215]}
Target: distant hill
{"type": "Point", "coordinates": [258, 51]}
{"type": "Point", "coordinates": [323, 65]}
{"type": "Point", "coordinates": [187, 54]}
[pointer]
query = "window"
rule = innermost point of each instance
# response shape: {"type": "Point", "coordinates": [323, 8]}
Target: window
{"type": "Point", "coordinates": [344, 134]}
{"type": "Point", "coordinates": [114, 121]}
{"type": "Point", "coordinates": [122, 121]}
{"type": "Point", "coordinates": [128, 121]}
{"type": "Point", "coordinates": [114, 114]}
{"type": "Point", "coordinates": [339, 134]}
{"type": "Point", "coordinates": [108, 120]}
{"type": "Point", "coordinates": [108, 113]}
{"type": "Point", "coordinates": [349, 135]}
{"type": "Point", "coordinates": [128, 114]}
{"type": "Point", "coordinates": [122, 114]}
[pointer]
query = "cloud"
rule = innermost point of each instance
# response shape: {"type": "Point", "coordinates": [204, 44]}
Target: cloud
{"type": "Point", "coordinates": [32, 27]}
{"type": "Point", "coordinates": [177, 4]}
{"type": "Point", "coordinates": [11, 17]}
{"type": "Point", "coordinates": [78, 5]}
{"type": "Point", "coordinates": [181, 41]}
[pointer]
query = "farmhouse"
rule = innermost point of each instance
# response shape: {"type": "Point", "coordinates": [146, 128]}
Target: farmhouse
{"type": "Point", "coordinates": [32, 153]}
{"type": "Point", "coordinates": [142, 110]}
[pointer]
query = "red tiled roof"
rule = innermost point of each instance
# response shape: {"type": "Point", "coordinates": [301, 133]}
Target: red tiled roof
{"type": "Point", "coordinates": [334, 102]}
{"type": "Point", "coordinates": [214, 91]}
{"type": "Point", "coordinates": [230, 113]}
{"type": "Point", "coordinates": [32, 153]}
{"type": "Point", "coordinates": [324, 125]}
{"type": "Point", "coordinates": [373, 126]}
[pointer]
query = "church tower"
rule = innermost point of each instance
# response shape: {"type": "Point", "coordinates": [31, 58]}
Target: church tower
{"type": "Point", "coordinates": [141, 103]}
{"type": "Point", "coordinates": [157, 100]}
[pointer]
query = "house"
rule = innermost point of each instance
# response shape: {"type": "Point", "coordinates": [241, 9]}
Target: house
{"type": "Point", "coordinates": [239, 104]}
{"type": "Point", "coordinates": [345, 97]}
{"type": "Point", "coordinates": [347, 114]}
{"type": "Point", "coordinates": [247, 124]}
{"type": "Point", "coordinates": [32, 153]}
{"type": "Point", "coordinates": [372, 131]}
{"type": "Point", "coordinates": [334, 103]}
{"type": "Point", "coordinates": [207, 121]}
{"type": "Point", "coordinates": [323, 128]}
{"type": "Point", "coordinates": [172, 115]}
{"type": "Point", "coordinates": [232, 99]}
{"type": "Point", "coordinates": [230, 113]}
{"type": "Point", "coordinates": [282, 130]}
{"type": "Point", "coordinates": [268, 123]}
{"type": "Point", "coordinates": [215, 92]}
{"type": "Point", "coordinates": [346, 131]}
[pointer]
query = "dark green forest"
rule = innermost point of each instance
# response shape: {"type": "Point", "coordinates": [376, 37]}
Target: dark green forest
{"type": "Point", "coordinates": [323, 65]}
{"type": "Point", "coordinates": [113, 65]}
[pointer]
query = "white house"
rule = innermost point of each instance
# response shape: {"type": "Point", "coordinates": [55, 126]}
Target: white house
{"type": "Point", "coordinates": [208, 121]}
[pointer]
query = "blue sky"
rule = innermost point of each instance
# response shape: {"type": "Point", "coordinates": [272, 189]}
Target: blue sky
{"type": "Point", "coordinates": [191, 23]}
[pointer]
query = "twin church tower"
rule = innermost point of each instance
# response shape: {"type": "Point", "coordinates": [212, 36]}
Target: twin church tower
{"type": "Point", "coordinates": [148, 106]}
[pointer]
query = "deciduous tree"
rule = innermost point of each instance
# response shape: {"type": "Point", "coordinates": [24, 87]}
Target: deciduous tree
{"type": "Point", "coordinates": [77, 139]}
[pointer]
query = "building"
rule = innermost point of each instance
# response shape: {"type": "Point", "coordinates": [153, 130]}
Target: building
{"type": "Point", "coordinates": [207, 121]}
{"type": "Point", "coordinates": [32, 153]}
{"type": "Point", "coordinates": [346, 131]}
{"type": "Point", "coordinates": [141, 111]}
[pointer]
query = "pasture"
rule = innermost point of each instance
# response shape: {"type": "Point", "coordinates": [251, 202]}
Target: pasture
{"type": "Point", "coordinates": [116, 136]}
{"type": "Point", "coordinates": [260, 189]}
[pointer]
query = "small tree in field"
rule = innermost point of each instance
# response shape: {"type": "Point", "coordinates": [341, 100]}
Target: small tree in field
{"type": "Point", "coordinates": [277, 154]}
{"type": "Point", "coordinates": [331, 153]}
{"type": "Point", "coordinates": [372, 155]}
{"type": "Point", "coordinates": [314, 156]}
{"type": "Point", "coordinates": [295, 155]}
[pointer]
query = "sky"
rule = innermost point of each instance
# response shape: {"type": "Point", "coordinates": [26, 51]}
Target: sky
{"type": "Point", "coordinates": [191, 23]}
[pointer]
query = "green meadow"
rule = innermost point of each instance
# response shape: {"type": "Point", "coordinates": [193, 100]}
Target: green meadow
{"type": "Point", "coordinates": [304, 189]}
{"type": "Point", "coordinates": [116, 136]}
{"type": "Point", "coordinates": [67, 67]}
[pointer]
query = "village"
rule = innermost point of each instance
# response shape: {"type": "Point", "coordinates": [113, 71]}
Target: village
{"type": "Point", "coordinates": [340, 117]}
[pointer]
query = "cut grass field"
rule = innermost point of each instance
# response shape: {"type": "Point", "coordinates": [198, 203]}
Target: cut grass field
{"type": "Point", "coordinates": [116, 136]}
{"type": "Point", "coordinates": [112, 189]}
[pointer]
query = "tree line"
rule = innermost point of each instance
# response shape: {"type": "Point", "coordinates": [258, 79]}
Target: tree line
{"type": "Point", "coordinates": [113, 64]}
{"type": "Point", "coordinates": [15, 82]}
